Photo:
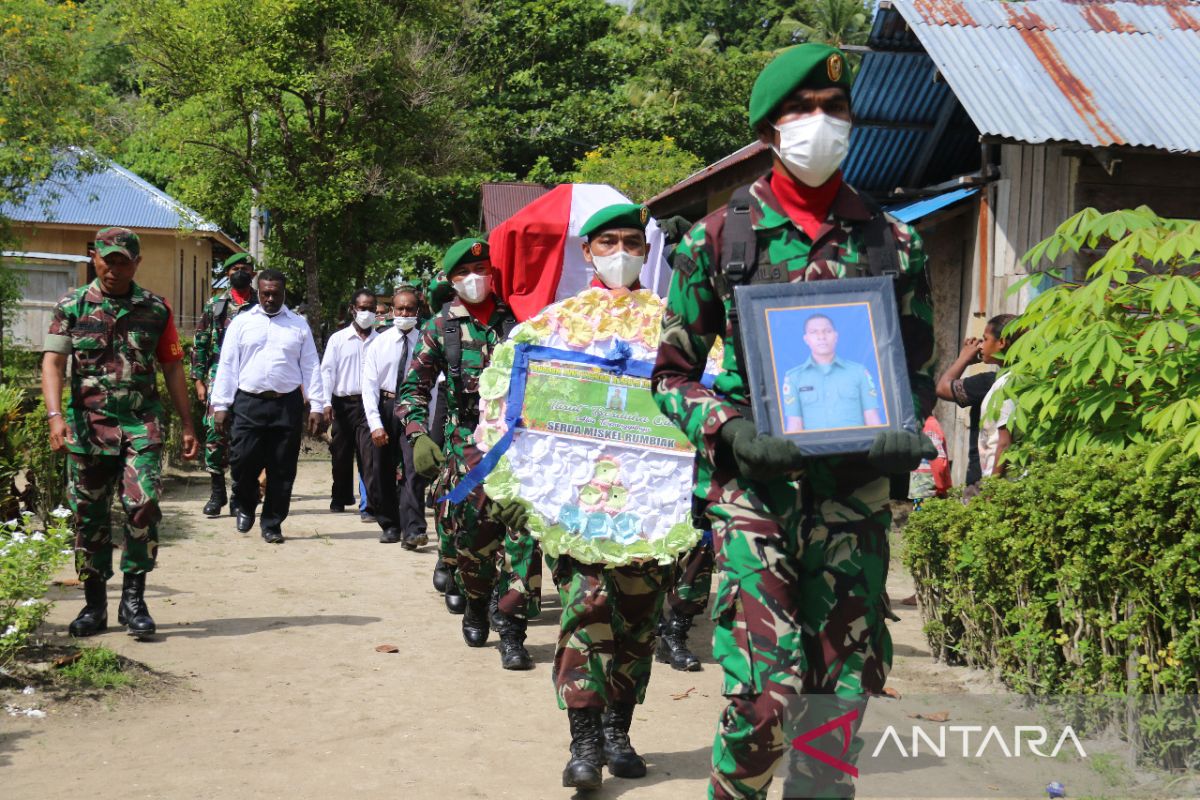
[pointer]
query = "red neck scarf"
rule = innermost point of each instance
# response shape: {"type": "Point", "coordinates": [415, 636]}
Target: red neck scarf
{"type": "Point", "coordinates": [241, 296]}
{"type": "Point", "coordinates": [807, 206]}
{"type": "Point", "coordinates": [482, 312]}
{"type": "Point", "coordinates": [599, 284]}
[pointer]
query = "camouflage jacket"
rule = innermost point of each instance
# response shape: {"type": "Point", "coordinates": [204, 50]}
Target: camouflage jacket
{"type": "Point", "coordinates": [218, 314]}
{"type": "Point", "coordinates": [700, 298]}
{"type": "Point", "coordinates": [429, 361]}
{"type": "Point", "coordinates": [111, 343]}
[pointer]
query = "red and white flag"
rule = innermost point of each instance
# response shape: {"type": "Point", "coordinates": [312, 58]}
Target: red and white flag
{"type": "Point", "coordinates": [538, 251]}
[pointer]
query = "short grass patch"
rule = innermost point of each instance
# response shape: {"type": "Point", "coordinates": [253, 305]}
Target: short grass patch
{"type": "Point", "coordinates": [97, 668]}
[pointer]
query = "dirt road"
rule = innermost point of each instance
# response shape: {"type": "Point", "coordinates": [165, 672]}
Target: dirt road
{"type": "Point", "coordinates": [276, 690]}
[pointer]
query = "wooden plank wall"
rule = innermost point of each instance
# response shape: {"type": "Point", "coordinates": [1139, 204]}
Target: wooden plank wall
{"type": "Point", "coordinates": [1033, 196]}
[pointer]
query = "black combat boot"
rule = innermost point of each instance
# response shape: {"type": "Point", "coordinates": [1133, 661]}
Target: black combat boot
{"type": "Point", "coordinates": [587, 750]}
{"type": "Point", "coordinates": [623, 760]}
{"type": "Point", "coordinates": [443, 574]}
{"type": "Point", "coordinates": [513, 654]}
{"type": "Point", "coordinates": [93, 618]}
{"type": "Point", "coordinates": [218, 498]}
{"type": "Point", "coordinates": [455, 602]}
{"type": "Point", "coordinates": [132, 611]}
{"type": "Point", "coordinates": [475, 622]}
{"type": "Point", "coordinates": [672, 644]}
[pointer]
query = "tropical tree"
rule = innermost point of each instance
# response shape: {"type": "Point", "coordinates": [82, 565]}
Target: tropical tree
{"type": "Point", "coordinates": [638, 168]}
{"type": "Point", "coordinates": [318, 109]}
{"type": "Point", "coordinates": [1111, 359]}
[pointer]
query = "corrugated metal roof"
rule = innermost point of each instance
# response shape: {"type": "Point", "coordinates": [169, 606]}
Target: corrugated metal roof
{"type": "Point", "coordinates": [502, 199]}
{"type": "Point", "coordinates": [914, 210]}
{"type": "Point", "coordinates": [110, 196]}
{"type": "Point", "coordinates": [36, 256]}
{"type": "Point", "coordinates": [1097, 73]}
{"type": "Point", "coordinates": [755, 149]}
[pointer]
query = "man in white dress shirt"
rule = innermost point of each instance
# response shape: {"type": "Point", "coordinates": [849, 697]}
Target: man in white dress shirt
{"type": "Point", "coordinates": [268, 365]}
{"type": "Point", "coordinates": [341, 374]}
{"type": "Point", "coordinates": [399, 509]}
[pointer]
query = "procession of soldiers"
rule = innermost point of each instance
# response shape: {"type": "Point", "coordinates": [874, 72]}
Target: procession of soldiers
{"type": "Point", "coordinates": [796, 545]}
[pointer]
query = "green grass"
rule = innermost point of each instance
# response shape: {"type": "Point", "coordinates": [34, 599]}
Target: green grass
{"type": "Point", "coordinates": [97, 668]}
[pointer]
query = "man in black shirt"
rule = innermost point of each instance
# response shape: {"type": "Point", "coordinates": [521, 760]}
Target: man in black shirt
{"type": "Point", "coordinates": [969, 392]}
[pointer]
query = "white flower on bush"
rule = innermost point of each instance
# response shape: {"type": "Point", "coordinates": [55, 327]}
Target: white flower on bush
{"type": "Point", "coordinates": [27, 603]}
{"type": "Point", "coordinates": [19, 536]}
{"type": "Point", "coordinates": [10, 631]}
{"type": "Point", "coordinates": [38, 536]}
{"type": "Point", "coordinates": [12, 523]}
{"type": "Point", "coordinates": [60, 513]}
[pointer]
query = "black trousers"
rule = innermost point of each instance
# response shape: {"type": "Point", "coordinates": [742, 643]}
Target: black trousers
{"type": "Point", "coordinates": [350, 442]}
{"type": "Point", "coordinates": [266, 434]}
{"type": "Point", "coordinates": [396, 504]}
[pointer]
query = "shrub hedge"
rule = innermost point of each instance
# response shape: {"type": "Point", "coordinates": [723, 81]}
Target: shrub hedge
{"type": "Point", "coordinates": [1080, 577]}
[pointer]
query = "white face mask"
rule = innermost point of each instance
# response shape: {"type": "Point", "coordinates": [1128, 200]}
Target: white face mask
{"type": "Point", "coordinates": [813, 147]}
{"type": "Point", "coordinates": [619, 269]}
{"type": "Point", "coordinates": [406, 323]}
{"type": "Point", "coordinates": [473, 288]}
{"type": "Point", "coordinates": [364, 319]}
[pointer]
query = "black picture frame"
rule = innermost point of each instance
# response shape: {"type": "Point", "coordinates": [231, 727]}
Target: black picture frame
{"type": "Point", "coordinates": [794, 382]}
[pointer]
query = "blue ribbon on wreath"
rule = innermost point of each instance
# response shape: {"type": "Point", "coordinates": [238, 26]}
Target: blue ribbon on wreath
{"type": "Point", "coordinates": [617, 361]}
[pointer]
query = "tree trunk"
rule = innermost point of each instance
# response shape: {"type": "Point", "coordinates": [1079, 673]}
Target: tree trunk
{"type": "Point", "coordinates": [312, 285]}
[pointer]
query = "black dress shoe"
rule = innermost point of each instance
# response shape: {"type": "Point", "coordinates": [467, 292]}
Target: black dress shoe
{"type": "Point", "coordinates": [390, 536]}
{"type": "Point", "coordinates": [272, 537]}
{"type": "Point", "coordinates": [367, 518]}
{"type": "Point", "coordinates": [337, 508]}
{"type": "Point", "coordinates": [414, 540]}
{"type": "Point", "coordinates": [245, 521]}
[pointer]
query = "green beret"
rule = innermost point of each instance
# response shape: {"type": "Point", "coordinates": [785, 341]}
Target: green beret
{"type": "Point", "coordinates": [238, 258]}
{"type": "Point", "coordinates": [621, 215]}
{"type": "Point", "coordinates": [465, 251]}
{"type": "Point", "coordinates": [812, 65]}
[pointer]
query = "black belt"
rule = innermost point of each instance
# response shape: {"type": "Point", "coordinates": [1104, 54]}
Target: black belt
{"type": "Point", "coordinates": [387, 395]}
{"type": "Point", "coordinates": [347, 397]}
{"type": "Point", "coordinates": [268, 395]}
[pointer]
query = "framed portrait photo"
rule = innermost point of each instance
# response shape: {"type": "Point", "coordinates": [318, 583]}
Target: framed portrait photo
{"type": "Point", "coordinates": [825, 362]}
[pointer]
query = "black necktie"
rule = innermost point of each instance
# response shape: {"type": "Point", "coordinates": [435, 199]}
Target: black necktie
{"type": "Point", "coordinates": [403, 360]}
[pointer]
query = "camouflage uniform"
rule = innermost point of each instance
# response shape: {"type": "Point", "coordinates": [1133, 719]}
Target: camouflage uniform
{"type": "Point", "coordinates": [115, 418]}
{"type": "Point", "coordinates": [219, 312]}
{"type": "Point", "coordinates": [606, 632]}
{"type": "Point", "coordinates": [691, 582]}
{"type": "Point", "coordinates": [801, 603]}
{"type": "Point", "coordinates": [477, 537]}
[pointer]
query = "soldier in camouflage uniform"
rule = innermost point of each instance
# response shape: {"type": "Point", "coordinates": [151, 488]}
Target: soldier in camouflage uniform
{"type": "Point", "coordinates": [687, 597]}
{"type": "Point", "coordinates": [801, 543]}
{"type": "Point", "coordinates": [219, 312]}
{"type": "Point", "coordinates": [473, 324]}
{"type": "Point", "coordinates": [610, 614]}
{"type": "Point", "coordinates": [112, 332]}
{"type": "Point", "coordinates": [440, 293]}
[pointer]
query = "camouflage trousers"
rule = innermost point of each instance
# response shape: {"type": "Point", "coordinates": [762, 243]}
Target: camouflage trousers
{"type": "Point", "coordinates": [692, 580]}
{"type": "Point", "coordinates": [800, 610]}
{"type": "Point", "coordinates": [216, 446]}
{"type": "Point", "coordinates": [443, 519]}
{"type": "Point", "coordinates": [489, 555]}
{"type": "Point", "coordinates": [91, 480]}
{"type": "Point", "coordinates": [607, 631]}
